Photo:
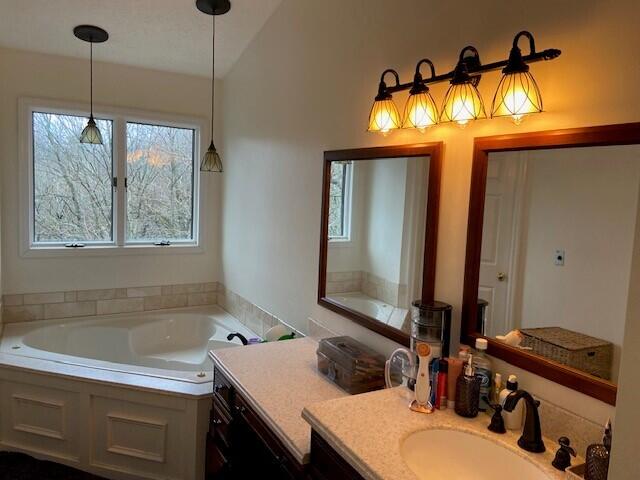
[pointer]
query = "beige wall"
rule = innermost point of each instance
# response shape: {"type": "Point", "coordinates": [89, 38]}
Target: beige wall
{"type": "Point", "coordinates": [583, 201]}
{"type": "Point", "coordinates": [62, 78]}
{"type": "Point", "coordinates": [624, 454]}
{"type": "Point", "coordinates": [306, 83]}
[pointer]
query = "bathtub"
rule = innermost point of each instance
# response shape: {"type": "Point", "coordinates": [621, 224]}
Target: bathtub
{"type": "Point", "coordinates": [168, 344]}
{"type": "Point", "coordinates": [395, 317]}
{"type": "Point", "coordinates": [364, 304]}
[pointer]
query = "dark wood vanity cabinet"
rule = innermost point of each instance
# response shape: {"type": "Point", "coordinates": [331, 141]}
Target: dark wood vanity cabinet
{"type": "Point", "coordinates": [240, 445]}
{"type": "Point", "coordinates": [327, 464]}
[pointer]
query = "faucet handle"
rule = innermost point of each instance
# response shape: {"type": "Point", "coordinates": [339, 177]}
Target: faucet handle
{"type": "Point", "coordinates": [562, 460]}
{"type": "Point", "coordinates": [497, 422]}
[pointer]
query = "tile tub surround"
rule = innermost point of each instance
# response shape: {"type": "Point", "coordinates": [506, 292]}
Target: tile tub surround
{"type": "Point", "coordinates": [81, 303]}
{"type": "Point", "coordinates": [251, 315]}
{"type": "Point", "coordinates": [278, 395]}
{"type": "Point", "coordinates": [367, 431]}
{"type": "Point", "coordinates": [371, 285]}
{"type": "Point", "coordinates": [344, 282]}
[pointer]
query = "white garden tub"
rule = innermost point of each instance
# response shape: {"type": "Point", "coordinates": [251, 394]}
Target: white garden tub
{"type": "Point", "coordinates": [167, 344]}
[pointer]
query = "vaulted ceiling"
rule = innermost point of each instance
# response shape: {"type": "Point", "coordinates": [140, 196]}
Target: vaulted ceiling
{"type": "Point", "coordinates": [167, 35]}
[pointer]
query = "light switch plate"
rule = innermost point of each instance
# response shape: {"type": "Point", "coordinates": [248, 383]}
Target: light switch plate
{"type": "Point", "coordinates": [558, 258]}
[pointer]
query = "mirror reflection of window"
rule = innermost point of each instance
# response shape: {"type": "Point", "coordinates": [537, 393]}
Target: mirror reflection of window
{"type": "Point", "coordinates": [557, 243]}
{"type": "Point", "coordinates": [377, 212]}
{"type": "Point", "coordinates": [340, 201]}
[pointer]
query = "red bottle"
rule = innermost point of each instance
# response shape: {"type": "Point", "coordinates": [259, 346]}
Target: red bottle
{"type": "Point", "coordinates": [441, 394]}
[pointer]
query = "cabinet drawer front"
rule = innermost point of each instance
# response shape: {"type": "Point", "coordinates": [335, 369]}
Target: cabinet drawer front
{"type": "Point", "coordinates": [222, 389]}
{"type": "Point", "coordinates": [220, 424]}
{"type": "Point", "coordinates": [286, 465]}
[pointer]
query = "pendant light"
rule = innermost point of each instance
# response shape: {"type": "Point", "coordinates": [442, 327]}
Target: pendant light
{"type": "Point", "coordinates": [211, 161]}
{"type": "Point", "coordinates": [462, 102]}
{"type": "Point", "coordinates": [384, 116]}
{"type": "Point", "coordinates": [517, 94]}
{"type": "Point", "coordinates": [91, 34]}
{"type": "Point", "coordinates": [420, 111]}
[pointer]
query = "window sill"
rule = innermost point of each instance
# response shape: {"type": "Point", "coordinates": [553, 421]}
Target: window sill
{"type": "Point", "coordinates": [110, 251]}
{"type": "Point", "coordinates": [340, 242]}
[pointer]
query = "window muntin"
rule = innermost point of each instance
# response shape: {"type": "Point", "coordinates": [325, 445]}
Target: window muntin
{"type": "Point", "coordinates": [160, 183]}
{"type": "Point", "coordinates": [72, 191]}
{"type": "Point", "coordinates": [340, 201]}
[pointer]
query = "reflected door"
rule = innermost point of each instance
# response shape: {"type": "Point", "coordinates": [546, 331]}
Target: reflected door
{"type": "Point", "coordinates": [499, 243]}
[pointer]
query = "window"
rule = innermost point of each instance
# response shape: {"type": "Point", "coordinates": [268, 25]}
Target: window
{"type": "Point", "coordinates": [73, 198]}
{"type": "Point", "coordinates": [340, 201]}
{"type": "Point", "coordinates": [159, 182]}
{"type": "Point", "coordinates": [140, 188]}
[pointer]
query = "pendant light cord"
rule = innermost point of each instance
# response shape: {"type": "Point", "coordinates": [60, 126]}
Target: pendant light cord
{"type": "Point", "coordinates": [213, 62]}
{"type": "Point", "coordinates": [91, 74]}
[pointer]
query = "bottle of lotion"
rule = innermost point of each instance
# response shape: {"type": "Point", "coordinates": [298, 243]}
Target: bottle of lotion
{"type": "Point", "coordinates": [512, 420]}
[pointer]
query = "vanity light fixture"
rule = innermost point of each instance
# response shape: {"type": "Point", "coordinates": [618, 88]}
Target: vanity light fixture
{"type": "Point", "coordinates": [384, 115]}
{"type": "Point", "coordinates": [517, 93]}
{"type": "Point", "coordinates": [211, 161]}
{"type": "Point", "coordinates": [420, 111]}
{"type": "Point", "coordinates": [91, 34]}
{"type": "Point", "coordinates": [462, 101]}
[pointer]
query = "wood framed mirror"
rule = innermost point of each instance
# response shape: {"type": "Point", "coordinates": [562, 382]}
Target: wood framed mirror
{"type": "Point", "coordinates": [551, 232]}
{"type": "Point", "coordinates": [378, 234]}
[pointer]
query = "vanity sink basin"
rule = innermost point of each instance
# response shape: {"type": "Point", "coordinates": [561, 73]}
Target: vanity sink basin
{"type": "Point", "coordinates": [455, 455]}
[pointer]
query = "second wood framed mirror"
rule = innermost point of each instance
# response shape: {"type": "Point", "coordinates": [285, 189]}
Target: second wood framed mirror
{"type": "Point", "coordinates": [379, 234]}
{"type": "Point", "coordinates": [551, 232]}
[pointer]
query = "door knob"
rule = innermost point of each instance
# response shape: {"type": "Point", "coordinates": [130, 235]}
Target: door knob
{"type": "Point", "coordinates": [501, 276]}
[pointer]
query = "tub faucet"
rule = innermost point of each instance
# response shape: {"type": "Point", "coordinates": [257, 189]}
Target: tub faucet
{"type": "Point", "coordinates": [531, 439]}
{"type": "Point", "coordinates": [241, 337]}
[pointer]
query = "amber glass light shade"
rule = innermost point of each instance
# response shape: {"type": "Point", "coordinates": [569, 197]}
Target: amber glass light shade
{"type": "Point", "coordinates": [384, 116]}
{"type": "Point", "coordinates": [420, 111]}
{"type": "Point", "coordinates": [517, 95]}
{"type": "Point", "coordinates": [211, 161]}
{"type": "Point", "coordinates": [91, 133]}
{"type": "Point", "coordinates": [462, 103]}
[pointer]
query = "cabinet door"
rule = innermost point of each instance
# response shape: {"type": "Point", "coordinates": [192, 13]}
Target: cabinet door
{"type": "Point", "coordinates": [327, 464]}
{"type": "Point", "coordinates": [273, 457]}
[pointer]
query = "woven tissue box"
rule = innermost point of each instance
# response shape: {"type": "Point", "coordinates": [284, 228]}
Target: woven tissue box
{"type": "Point", "coordinates": [574, 349]}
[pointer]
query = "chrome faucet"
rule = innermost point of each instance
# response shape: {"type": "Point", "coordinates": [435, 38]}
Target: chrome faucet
{"type": "Point", "coordinates": [531, 439]}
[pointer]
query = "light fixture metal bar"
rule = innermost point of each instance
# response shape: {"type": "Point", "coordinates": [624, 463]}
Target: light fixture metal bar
{"type": "Point", "coordinates": [548, 54]}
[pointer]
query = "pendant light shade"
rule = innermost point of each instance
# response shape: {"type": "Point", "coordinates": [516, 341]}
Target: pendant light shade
{"type": "Point", "coordinates": [91, 34]}
{"type": "Point", "coordinates": [517, 94]}
{"type": "Point", "coordinates": [91, 133]}
{"type": "Point", "coordinates": [420, 111]}
{"type": "Point", "coordinates": [462, 102]}
{"type": "Point", "coordinates": [384, 116]}
{"type": "Point", "coordinates": [211, 161]}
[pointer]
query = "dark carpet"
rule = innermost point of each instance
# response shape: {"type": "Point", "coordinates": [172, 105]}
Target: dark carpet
{"type": "Point", "coordinates": [17, 466]}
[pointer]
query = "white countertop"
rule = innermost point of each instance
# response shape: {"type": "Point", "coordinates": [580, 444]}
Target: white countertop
{"type": "Point", "coordinates": [367, 431]}
{"type": "Point", "coordinates": [278, 380]}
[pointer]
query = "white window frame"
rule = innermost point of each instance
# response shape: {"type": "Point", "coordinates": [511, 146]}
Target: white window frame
{"type": "Point", "coordinates": [120, 117]}
{"type": "Point", "coordinates": [347, 207]}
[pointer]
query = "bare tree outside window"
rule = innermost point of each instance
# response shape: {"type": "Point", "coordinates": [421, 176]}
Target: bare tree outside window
{"type": "Point", "coordinates": [338, 191]}
{"type": "Point", "coordinates": [160, 162]}
{"type": "Point", "coordinates": [73, 198]}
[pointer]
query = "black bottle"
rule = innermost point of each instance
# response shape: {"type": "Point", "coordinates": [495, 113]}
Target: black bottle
{"type": "Point", "coordinates": [467, 392]}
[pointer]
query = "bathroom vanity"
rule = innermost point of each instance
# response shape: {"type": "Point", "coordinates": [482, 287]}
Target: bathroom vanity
{"type": "Point", "coordinates": [256, 428]}
{"type": "Point", "coordinates": [291, 423]}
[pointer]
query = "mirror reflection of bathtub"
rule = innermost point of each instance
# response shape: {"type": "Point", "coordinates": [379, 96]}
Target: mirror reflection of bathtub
{"type": "Point", "coordinates": [383, 312]}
